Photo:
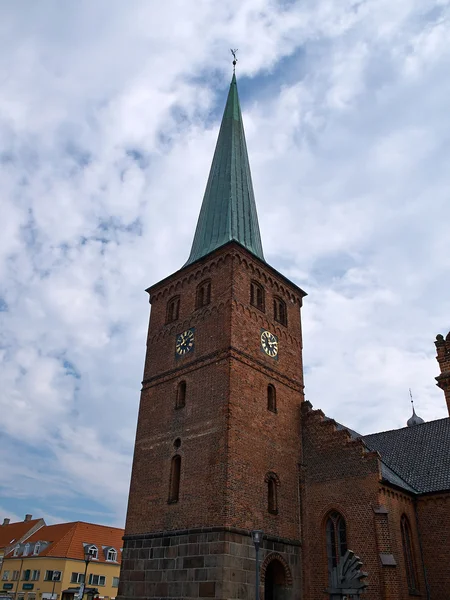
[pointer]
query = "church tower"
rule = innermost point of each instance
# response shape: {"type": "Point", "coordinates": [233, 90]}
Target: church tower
{"type": "Point", "coordinates": [443, 358]}
{"type": "Point", "coordinates": [217, 449]}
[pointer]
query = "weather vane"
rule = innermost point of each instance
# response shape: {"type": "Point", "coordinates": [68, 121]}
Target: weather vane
{"type": "Point", "coordinates": [233, 52]}
{"type": "Point", "coordinates": [410, 395]}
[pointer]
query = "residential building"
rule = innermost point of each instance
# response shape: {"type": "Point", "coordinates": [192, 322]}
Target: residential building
{"type": "Point", "coordinates": [50, 564]}
{"type": "Point", "coordinates": [15, 533]}
{"type": "Point", "coordinates": [226, 443]}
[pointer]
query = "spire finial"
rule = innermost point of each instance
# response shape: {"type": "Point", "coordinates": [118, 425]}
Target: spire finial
{"type": "Point", "coordinates": [233, 52]}
{"type": "Point", "coordinates": [415, 419]}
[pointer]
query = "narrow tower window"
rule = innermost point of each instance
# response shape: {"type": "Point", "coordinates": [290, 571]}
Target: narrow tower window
{"type": "Point", "coordinates": [173, 309]}
{"type": "Point", "coordinates": [203, 294]}
{"type": "Point", "coordinates": [279, 311]}
{"type": "Point", "coordinates": [272, 493]}
{"type": "Point", "coordinates": [175, 472]}
{"type": "Point", "coordinates": [336, 532]}
{"type": "Point", "coordinates": [257, 295]}
{"type": "Point", "coordinates": [181, 395]}
{"type": "Point", "coordinates": [271, 398]}
{"type": "Point", "coordinates": [408, 554]}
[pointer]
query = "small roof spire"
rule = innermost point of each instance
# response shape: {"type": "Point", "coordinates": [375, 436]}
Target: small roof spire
{"type": "Point", "coordinates": [415, 419]}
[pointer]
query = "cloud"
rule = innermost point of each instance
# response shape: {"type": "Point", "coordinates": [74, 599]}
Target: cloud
{"type": "Point", "coordinates": [108, 121]}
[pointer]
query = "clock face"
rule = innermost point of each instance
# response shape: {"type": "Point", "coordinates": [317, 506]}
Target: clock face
{"type": "Point", "coordinates": [184, 342]}
{"type": "Point", "coordinates": [269, 343]}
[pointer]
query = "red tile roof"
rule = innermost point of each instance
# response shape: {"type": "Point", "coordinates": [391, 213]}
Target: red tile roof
{"type": "Point", "coordinates": [14, 532]}
{"type": "Point", "coordinates": [68, 539]}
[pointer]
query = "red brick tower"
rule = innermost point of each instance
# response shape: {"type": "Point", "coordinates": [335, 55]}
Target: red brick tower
{"type": "Point", "coordinates": [217, 444]}
{"type": "Point", "coordinates": [443, 358]}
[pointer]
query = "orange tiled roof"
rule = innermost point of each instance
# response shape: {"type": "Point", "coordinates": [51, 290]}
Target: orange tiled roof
{"type": "Point", "coordinates": [16, 531]}
{"type": "Point", "coordinates": [68, 539]}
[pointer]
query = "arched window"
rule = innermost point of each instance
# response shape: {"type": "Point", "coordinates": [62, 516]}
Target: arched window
{"type": "Point", "coordinates": [336, 533]}
{"type": "Point", "coordinates": [26, 549]}
{"type": "Point", "coordinates": [279, 310]}
{"type": "Point", "coordinates": [112, 555]}
{"type": "Point", "coordinates": [175, 472]}
{"type": "Point", "coordinates": [257, 295]}
{"type": "Point", "coordinates": [37, 547]}
{"type": "Point", "coordinates": [93, 551]}
{"type": "Point", "coordinates": [272, 493]}
{"type": "Point", "coordinates": [181, 395]}
{"type": "Point", "coordinates": [271, 398]}
{"type": "Point", "coordinates": [408, 554]}
{"type": "Point", "coordinates": [203, 296]}
{"type": "Point", "coordinates": [173, 309]}
{"type": "Point", "coordinates": [16, 550]}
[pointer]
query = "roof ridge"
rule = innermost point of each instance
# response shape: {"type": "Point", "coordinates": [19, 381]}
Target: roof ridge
{"type": "Point", "coordinates": [406, 428]}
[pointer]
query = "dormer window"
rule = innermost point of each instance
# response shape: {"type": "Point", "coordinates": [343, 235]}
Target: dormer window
{"type": "Point", "coordinates": [279, 311]}
{"type": "Point", "coordinates": [112, 555]}
{"type": "Point", "coordinates": [257, 295]}
{"type": "Point", "coordinates": [26, 549]}
{"type": "Point", "coordinates": [93, 552]}
{"type": "Point", "coordinates": [37, 548]}
{"type": "Point", "coordinates": [16, 550]}
{"type": "Point", "coordinates": [203, 296]}
{"type": "Point", "coordinates": [173, 309]}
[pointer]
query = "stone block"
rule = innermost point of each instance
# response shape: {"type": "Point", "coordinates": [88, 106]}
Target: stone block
{"type": "Point", "coordinates": [201, 574]}
{"type": "Point", "coordinates": [207, 589]}
{"type": "Point", "coordinates": [193, 562]}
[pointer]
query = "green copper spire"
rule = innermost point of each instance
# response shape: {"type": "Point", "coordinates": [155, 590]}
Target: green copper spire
{"type": "Point", "coordinates": [228, 210]}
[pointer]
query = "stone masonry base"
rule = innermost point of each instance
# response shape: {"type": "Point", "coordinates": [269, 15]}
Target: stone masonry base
{"type": "Point", "coordinates": [203, 563]}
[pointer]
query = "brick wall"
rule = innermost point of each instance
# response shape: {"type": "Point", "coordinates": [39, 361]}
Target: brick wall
{"type": "Point", "coordinates": [337, 474]}
{"type": "Point", "coordinates": [434, 523]}
{"type": "Point", "coordinates": [397, 504]}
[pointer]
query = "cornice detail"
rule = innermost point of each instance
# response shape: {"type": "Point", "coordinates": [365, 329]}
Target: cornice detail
{"type": "Point", "coordinates": [259, 270]}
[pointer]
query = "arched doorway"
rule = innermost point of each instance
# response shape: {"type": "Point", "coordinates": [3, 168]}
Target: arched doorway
{"type": "Point", "coordinates": [275, 583]}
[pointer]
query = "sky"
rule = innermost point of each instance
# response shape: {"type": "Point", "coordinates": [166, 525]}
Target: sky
{"type": "Point", "coordinates": [109, 114]}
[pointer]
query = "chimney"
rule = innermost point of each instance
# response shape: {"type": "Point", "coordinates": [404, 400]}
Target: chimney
{"type": "Point", "coordinates": [28, 517]}
{"type": "Point", "coordinates": [6, 522]}
{"type": "Point", "coordinates": [443, 358]}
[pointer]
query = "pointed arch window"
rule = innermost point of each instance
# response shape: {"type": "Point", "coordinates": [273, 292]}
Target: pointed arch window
{"type": "Point", "coordinates": [279, 310]}
{"type": "Point", "coordinates": [272, 493]}
{"type": "Point", "coordinates": [203, 296]}
{"type": "Point", "coordinates": [336, 535]}
{"type": "Point", "coordinates": [408, 554]}
{"type": "Point", "coordinates": [271, 398]}
{"type": "Point", "coordinates": [173, 309]}
{"type": "Point", "coordinates": [257, 295]}
{"type": "Point", "coordinates": [181, 395]}
{"type": "Point", "coordinates": [175, 473]}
